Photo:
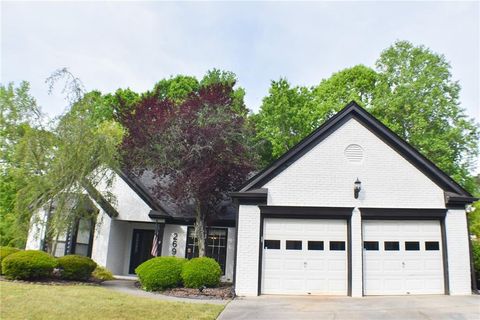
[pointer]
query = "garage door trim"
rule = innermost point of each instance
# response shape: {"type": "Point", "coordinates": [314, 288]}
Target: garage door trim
{"type": "Point", "coordinates": [292, 212]}
{"type": "Point", "coordinates": [411, 214]}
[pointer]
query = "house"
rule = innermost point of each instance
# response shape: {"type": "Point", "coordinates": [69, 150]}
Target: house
{"type": "Point", "coordinates": [350, 210]}
{"type": "Point", "coordinates": [122, 234]}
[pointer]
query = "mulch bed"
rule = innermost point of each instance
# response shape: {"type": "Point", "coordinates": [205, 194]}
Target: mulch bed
{"type": "Point", "coordinates": [223, 292]}
{"type": "Point", "coordinates": [56, 282]}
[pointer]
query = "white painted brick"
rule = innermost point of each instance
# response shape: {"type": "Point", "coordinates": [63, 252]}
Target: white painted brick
{"type": "Point", "coordinates": [357, 252]}
{"type": "Point", "coordinates": [246, 282]}
{"type": "Point", "coordinates": [458, 252]}
{"type": "Point", "coordinates": [324, 177]}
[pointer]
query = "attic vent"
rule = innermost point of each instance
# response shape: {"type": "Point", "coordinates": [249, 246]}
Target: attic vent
{"type": "Point", "coordinates": [354, 153]}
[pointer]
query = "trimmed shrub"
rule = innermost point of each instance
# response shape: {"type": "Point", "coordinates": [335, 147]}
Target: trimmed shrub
{"type": "Point", "coordinates": [28, 264]}
{"type": "Point", "coordinates": [160, 273]}
{"type": "Point", "coordinates": [102, 274]}
{"type": "Point", "coordinates": [75, 267]}
{"type": "Point", "coordinates": [476, 257]}
{"type": "Point", "coordinates": [200, 272]}
{"type": "Point", "coordinates": [4, 252]}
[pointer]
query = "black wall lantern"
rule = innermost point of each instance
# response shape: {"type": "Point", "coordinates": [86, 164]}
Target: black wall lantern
{"type": "Point", "coordinates": [357, 186]}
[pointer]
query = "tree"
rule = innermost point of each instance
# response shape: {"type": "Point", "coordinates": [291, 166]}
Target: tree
{"type": "Point", "coordinates": [54, 161]}
{"type": "Point", "coordinates": [411, 91]}
{"type": "Point", "coordinates": [24, 145]}
{"type": "Point", "coordinates": [197, 149]}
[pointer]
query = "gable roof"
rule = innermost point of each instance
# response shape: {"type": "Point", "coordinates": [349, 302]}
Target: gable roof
{"type": "Point", "coordinates": [353, 110]}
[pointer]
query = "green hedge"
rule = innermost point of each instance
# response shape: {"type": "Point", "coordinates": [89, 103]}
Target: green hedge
{"type": "Point", "coordinates": [28, 264]}
{"type": "Point", "coordinates": [160, 273]}
{"type": "Point", "coordinates": [476, 256]}
{"type": "Point", "coordinates": [75, 267]}
{"type": "Point", "coordinates": [4, 252]}
{"type": "Point", "coordinates": [102, 273]}
{"type": "Point", "coordinates": [200, 272]}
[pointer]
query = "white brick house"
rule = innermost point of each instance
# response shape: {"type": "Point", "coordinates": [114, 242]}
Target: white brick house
{"type": "Point", "coordinates": [121, 236]}
{"type": "Point", "coordinates": [299, 226]}
{"type": "Point", "coordinates": [304, 229]}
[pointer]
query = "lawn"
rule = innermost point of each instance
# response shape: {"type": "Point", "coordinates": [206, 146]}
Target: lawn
{"type": "Point", "coordinates": [30, 301]}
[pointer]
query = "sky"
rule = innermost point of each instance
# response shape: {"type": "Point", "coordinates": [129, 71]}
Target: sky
{"type": "Point", "coordinates": [111, 45]}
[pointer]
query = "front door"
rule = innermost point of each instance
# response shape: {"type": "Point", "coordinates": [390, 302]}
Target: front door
{"type": "Point", "coordinates": [141, 247]}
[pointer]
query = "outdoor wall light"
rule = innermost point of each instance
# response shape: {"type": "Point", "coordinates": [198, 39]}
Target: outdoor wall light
{"type": "Point", "coordinates": [357, 186]}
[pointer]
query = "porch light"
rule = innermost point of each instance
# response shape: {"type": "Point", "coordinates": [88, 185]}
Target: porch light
{"type": "Point", "coordinates": [357, 186]}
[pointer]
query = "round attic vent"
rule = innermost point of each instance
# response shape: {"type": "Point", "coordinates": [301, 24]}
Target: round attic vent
{"type": "Point", "coordinates": [354, 153]}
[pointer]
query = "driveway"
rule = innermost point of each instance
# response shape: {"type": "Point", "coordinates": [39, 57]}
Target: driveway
{"type": "Point", "coordinates": [371, 308]}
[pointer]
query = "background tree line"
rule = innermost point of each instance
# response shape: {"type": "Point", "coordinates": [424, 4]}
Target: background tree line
{"type": "Point", "coordinates": [200, 140]}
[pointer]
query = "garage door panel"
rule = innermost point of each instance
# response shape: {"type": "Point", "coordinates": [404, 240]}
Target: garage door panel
{"type": "Point", "coordinates": [402, 271]}
{"type": "Point", "coordinates": [313, 269]}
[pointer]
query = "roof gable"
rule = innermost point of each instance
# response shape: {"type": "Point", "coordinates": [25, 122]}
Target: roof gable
{"type": "Point", "coordinates": [353, 110]}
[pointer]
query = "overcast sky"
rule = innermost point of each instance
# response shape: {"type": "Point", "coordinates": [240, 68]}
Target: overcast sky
{"type": "Point", "coordinates": [134, 44]}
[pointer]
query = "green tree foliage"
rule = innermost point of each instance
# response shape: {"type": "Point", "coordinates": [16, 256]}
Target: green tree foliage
{"type": "Point", "coordinates": [52, 161]}
{"type": "Point", "coordinates": [411, 91]}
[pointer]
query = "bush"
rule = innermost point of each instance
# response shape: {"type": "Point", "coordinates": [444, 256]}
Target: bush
{"type": "Point", "coordinates": [28, 264]}
{"type": "Point", "coordinates": [160, 273]}
{"type": "Point", "coordinates": [4, 252]}
{"type": "Point", "coordinates": [476, 257]}
{"type": "Point", "coordinates": [75, 267]}
{"type": "Point", "coordinates": [102, 273]}
{"type": "Point", "coordinates": [200, 272]}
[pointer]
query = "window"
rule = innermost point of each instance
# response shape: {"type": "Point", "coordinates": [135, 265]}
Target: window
{"type": "Point", "coordinates": [412, 245]}
{"type": "Point", "coordinates": [216, 245]}
{"type": "Point", "coordinates": [293, 245]}
{"type": "Point", "coordinates": [370, 245]}
{"type": "Point", "coordinates": [315, 245]}
{"type": "Point", "coordinates": [271, 244]}
{"type": "Point", "coordinates": [391, 246]}
{"type": "Point", "coordinates": [337, 245]}
{"type": "Point", "coordinates": [432, 246]}
{"type": "Point", "coordinates": [77, 239]}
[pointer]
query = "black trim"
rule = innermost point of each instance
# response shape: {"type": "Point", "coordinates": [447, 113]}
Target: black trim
{"type": "Point", "coordinates": [158, 215]}
{"type": "Point", "coordinates": [141, 191]}
{"type": "Point", "coordinates": [453, 200]}
{"type": "Point", "coordinates": [306, 212]}
{"type": "Point", "coordinates": [402, 213]}
{"type": "Point", "coordinates": [446, 279]}
{"type": "Point", "coordinates": [353, 110]}
{"type": "Point", "coordinates": [252, 197]}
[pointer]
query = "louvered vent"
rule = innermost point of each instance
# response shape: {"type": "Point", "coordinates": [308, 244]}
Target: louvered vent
{"type": "Point", "coordinates": [354, 153]}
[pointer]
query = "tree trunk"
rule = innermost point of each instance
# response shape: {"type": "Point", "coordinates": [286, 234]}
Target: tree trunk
{"type": "Point", "coordinates": [200, 230]}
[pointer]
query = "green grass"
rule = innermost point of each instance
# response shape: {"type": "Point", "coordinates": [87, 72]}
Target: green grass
{"type": "Point", "coordinates": [30, 301]}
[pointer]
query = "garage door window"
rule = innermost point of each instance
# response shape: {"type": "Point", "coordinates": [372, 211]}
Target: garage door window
{"type": "Point", "coordinates": [294, 245]}
{"type": "Point", "coordinates": [272, 244]}
{"type": "Point", "coordinates": [392, 246]}
{"type": "Point", "coordinates": [315, 245]}
{"type": "Point", "coordinates": [432, 246]}
{"type": "Point", "coordinates": [370, 245]}
{"type": "Point", "coordinates": [412, 246]}
{"type": "Point", "coordinates": [337, 245]}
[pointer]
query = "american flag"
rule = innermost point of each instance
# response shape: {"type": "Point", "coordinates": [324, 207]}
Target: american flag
{"type": "Point", "coordinates": [154, 251]}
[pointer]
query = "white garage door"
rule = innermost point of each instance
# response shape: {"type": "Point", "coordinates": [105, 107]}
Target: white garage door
{"type": "Point", "coordinates": [303, 256]}
{"type": "Point", "coordinates": [402, 257]}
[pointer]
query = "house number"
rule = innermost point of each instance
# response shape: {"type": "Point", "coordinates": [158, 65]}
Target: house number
{"type": "Point", "coordinates": [174, 243]}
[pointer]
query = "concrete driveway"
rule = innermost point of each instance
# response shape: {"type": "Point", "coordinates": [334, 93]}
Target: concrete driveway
{"type": "Point", "coordinates": [371, 308]}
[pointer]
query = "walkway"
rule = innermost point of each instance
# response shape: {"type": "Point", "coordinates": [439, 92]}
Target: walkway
{"type": "Point", "coordinates": [128, 286]}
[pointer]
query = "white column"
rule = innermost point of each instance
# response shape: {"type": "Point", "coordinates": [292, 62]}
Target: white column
{"type": "Point", "coordinates": [36, 233]}
{"type": "Point", "coordinates": [101, 238]}
{"type": "Point", "coordinates": [246, 277]}
{"type": "Point", "coordinates": [357, 252]}
{"type": "Point", "coordinates": [458, 252]}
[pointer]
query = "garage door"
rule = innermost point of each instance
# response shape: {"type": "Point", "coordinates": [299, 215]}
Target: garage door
{"type": "Point", "coordinates": [303, 256]}
{"type": "Point", "coordinates": [402, 257]}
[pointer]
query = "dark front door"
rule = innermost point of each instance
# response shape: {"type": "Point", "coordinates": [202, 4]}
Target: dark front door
{"type": "Point", "coordinates": [141, 248]}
